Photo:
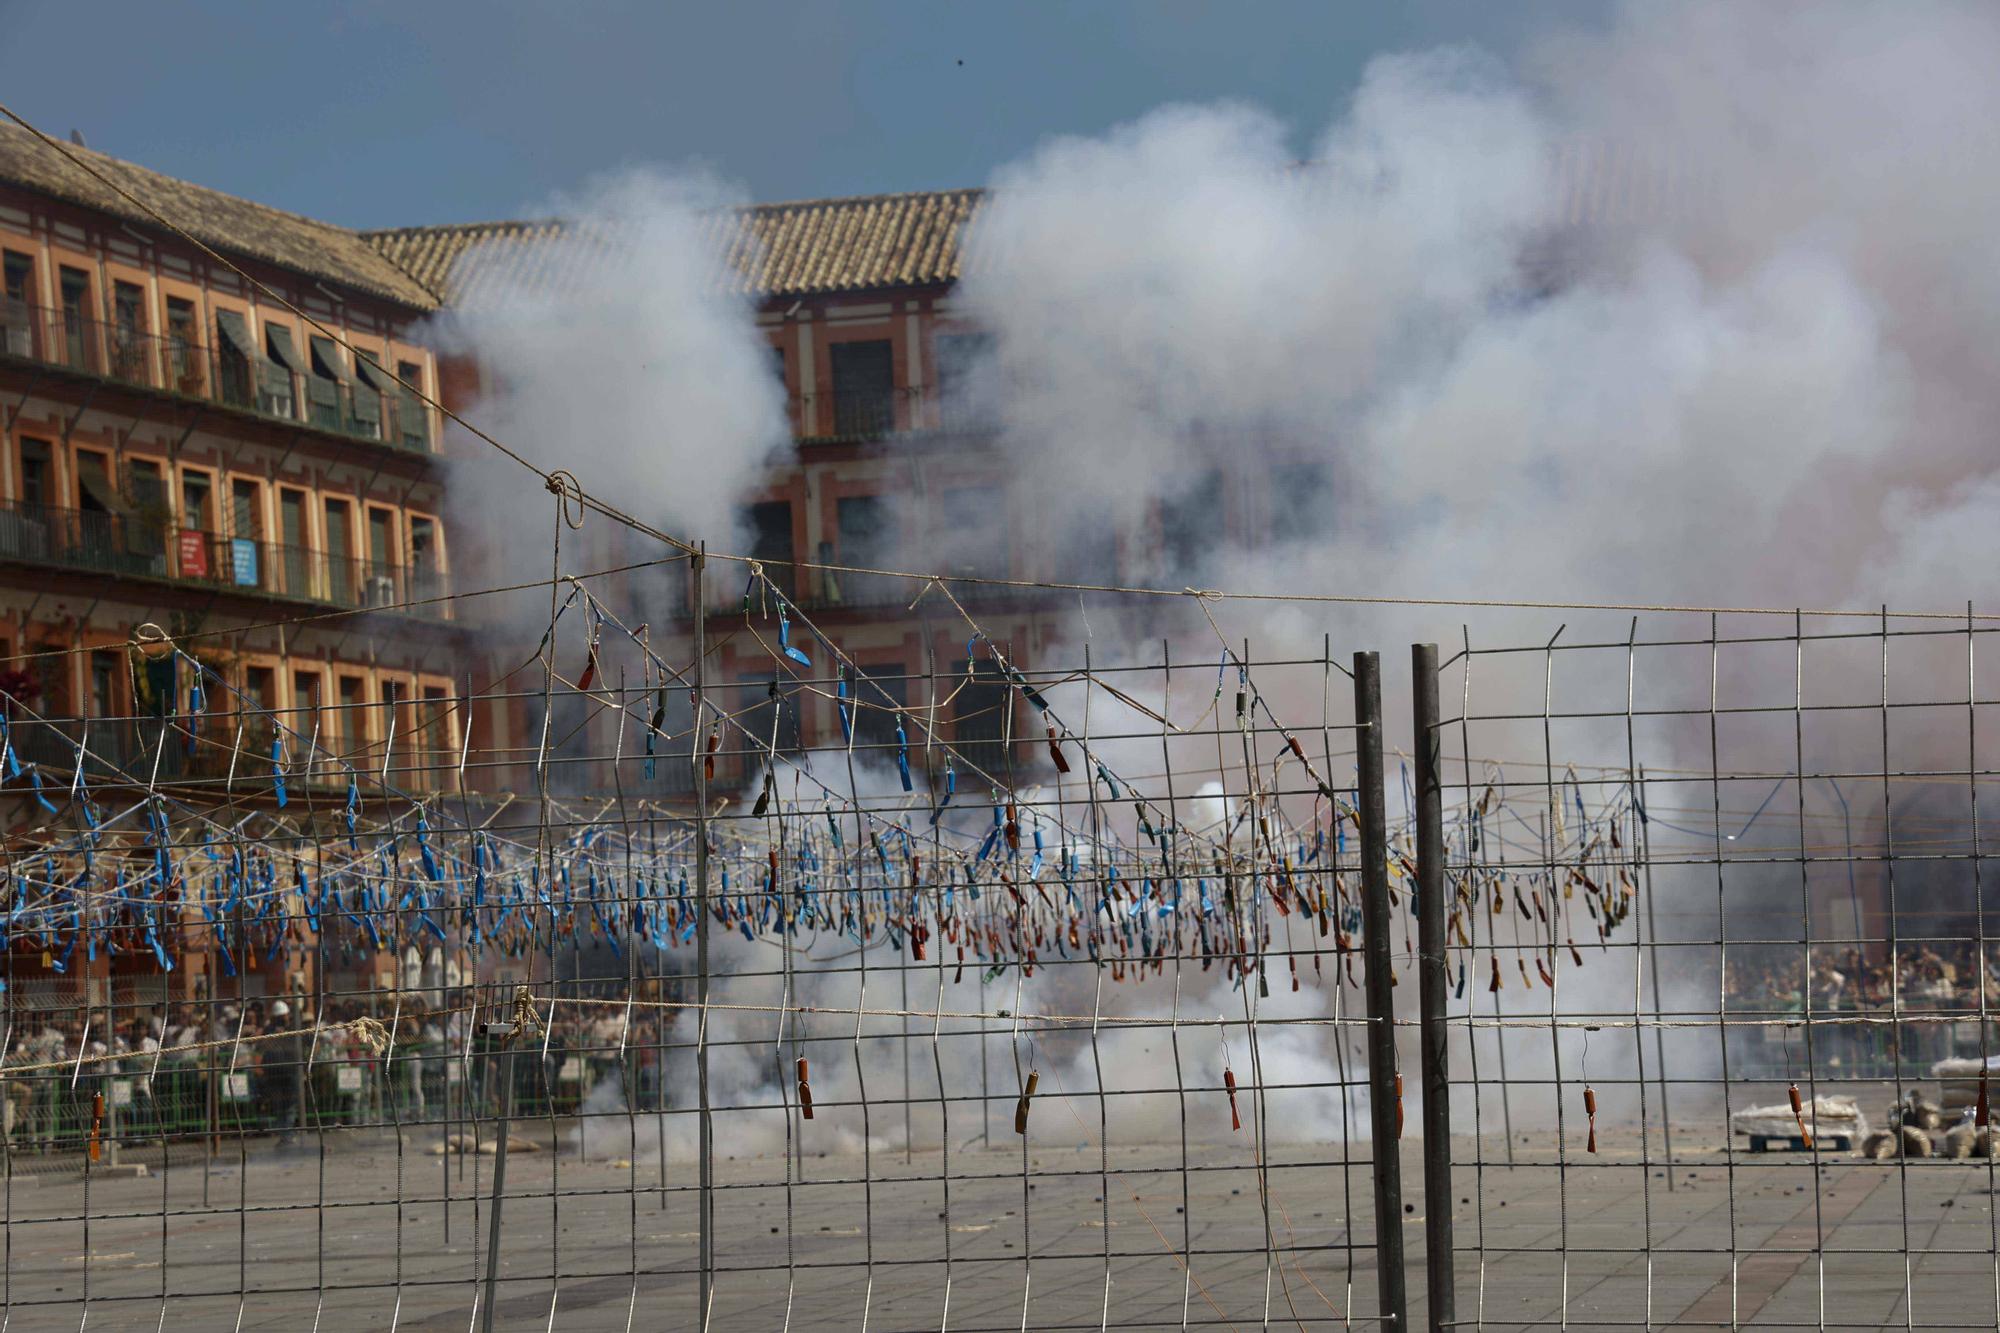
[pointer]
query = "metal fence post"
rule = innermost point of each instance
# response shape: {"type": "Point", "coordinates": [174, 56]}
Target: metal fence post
{"type": "Point", "coordinates": [705, 1210]}
{"type": "Point", "coordinates": [1433, 982]}
{"type": "Point", "coordinates": [1384, 1101]}
{"type": "Point", "coordinates": [502, 1058]}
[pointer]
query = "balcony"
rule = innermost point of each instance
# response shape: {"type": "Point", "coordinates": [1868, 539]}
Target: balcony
{"type": "Point", "coordinates": [837, 416]}
{"type": "Point", "coordinates": [113, 544]}
{"type": "Point", "coordinates": [178, 366]}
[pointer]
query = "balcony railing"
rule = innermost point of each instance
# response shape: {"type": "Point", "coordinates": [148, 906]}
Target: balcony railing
{"type": "Point", "coordinates": [180, 366]}
{"type": "Point", "coordinates": [871, 414]}
{"type": "Point", "coordinates": [106, 543]}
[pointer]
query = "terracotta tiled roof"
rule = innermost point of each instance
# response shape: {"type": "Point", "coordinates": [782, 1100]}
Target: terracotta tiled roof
{"type": "Point", "coordinates": [815, 247]}
{"type": "Point", "coordinates": [869, 242]}
{"type": "Point", "coordinates": [232, 225]}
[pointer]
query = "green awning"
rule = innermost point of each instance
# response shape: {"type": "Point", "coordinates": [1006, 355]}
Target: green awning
{"type": "Point", "coordinates": [326, 356]}
{"type": "Point", "coordinates": [236, 333]}
{"type": "Point", "coordinates": [283, 351]}
{"type": "Point", "coordinates": [374, 374]}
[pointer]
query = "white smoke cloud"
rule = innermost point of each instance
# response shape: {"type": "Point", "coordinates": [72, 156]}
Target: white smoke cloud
{"type": "Point", "coordinates": [618, 353]}
{"type": "Point", "coordinates": [1754, 373]}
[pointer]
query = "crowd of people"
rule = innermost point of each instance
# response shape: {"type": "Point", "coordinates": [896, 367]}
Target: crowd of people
{"type": "Point", "coordinates": [1922, 983]}
{"type": "Point", "coordinates": [1937, 976]}
{"type": "Point", "coordinates": [276, 1065]}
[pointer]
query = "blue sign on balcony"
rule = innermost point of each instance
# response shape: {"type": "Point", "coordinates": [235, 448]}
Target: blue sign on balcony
{"type": "Point", "coordinates": [243, 561]}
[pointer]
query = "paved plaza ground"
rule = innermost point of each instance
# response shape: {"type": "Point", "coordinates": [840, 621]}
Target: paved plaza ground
{"type": "Point", "coordinates": [311, 1235]}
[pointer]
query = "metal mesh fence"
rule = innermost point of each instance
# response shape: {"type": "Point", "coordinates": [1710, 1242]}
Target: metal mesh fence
{"type": "Point", "coordinates": [1025, 995]}
{"type": "Point", "coordinates": [757, 981]}
{"type": "Point", "coordinates": [1713, 976]}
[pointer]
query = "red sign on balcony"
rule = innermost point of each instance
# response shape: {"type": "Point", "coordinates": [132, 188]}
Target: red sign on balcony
{"type": "Point", "coordinates": [194, 555]}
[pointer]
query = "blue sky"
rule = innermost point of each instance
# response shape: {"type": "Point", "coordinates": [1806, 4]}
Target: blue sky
{"type": "Point", "coordinates": [373, 113]}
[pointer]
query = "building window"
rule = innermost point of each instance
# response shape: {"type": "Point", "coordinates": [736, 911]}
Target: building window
{"type": "Point", "coordinates": [350, 721]}
{"type": "Point", "coordinates": [128, 333]}
{"type": "Point", "coordinates": [235, 356]}
{"type": "Point", "coordinates": [382, 584]}
{"type": "Point", "coordinates": [423, 574]}
{"type": "Point", "coordinates": [260, 714]}
{"type": "Point", "coordinates": [328, 388]}
{"type": "Point", "coordinates": [150, 514]}
{"type": "Point", "coordinates": [863, 388]}
{"type": "Point", "coordinates": [434, 736]}
{"type": "Point", "coordinates": [197, 489]}
{"type": "Point", "coordinates": [99, 508]}
{"type": "Point", "coordinates": [183, 348]}
{"type": "Point", "coordinates": [76, 319]}
{"type": "Point", "coordinates": [342, 578]}
{"type": "Point", "coordinates": [35, 479]}
{"type": "Point", "coordinates": [413, 416]}
{"type": "Point", "coordinates": [395, 736]}
{"type": "Point", "coordinates": [770, 525]}
{"type": "Point", "coordinates": [371, 389]}
{"type": "Point", "coordinates": [304, 721]}
{"type": "Point", "coordinates": [17, 316]}
{"type": "Point", "coordinates": [246, 509]}
{"type": "Point", "coordinates": [276, 394]}
{"type": "Point", "coordinates": [104, 685]}
{"type": "Point", "coordinates": [293, 555]}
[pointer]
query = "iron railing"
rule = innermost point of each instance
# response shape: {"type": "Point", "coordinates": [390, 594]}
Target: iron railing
{"type": "Point", "coordinates": [107, 543]}
{"type": "Point", "coordinates": [175, 364]}
{"type": "Point", "coordinates": [871, 414]}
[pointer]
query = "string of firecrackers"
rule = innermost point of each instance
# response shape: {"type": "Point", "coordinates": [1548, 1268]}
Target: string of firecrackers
{"type": "Point", "coordinates": [233, 881]}
{"type": "Point", "coordinates": [373, 895]}
{"type": "Point", "coordinates": [1400, 865]}
{"type": "Point", "coordinates": [245, 901]}
{"type": "Point", "coordinates": [1542, 895]}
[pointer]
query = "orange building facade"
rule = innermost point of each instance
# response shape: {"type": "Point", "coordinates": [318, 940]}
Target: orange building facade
{"type": "Point", "coordinates": [181, 455]}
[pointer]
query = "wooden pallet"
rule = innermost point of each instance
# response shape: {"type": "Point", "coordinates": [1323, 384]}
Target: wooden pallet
{"type": "Point", "coordinates": [1793, 1143]}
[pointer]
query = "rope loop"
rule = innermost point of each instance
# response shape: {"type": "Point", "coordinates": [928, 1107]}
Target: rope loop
{"type": "Point", "coordinates": [151, 642]}
{"type": "Point", "coordinates": [568, 491]}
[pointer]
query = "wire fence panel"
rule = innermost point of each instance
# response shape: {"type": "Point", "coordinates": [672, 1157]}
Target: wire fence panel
{"type": "Point", "coordinates": [779, 973]}
{"type": "Point", "coordinates": [1716, 975]}
{"type": "Point", "coordinates": [745, 988]}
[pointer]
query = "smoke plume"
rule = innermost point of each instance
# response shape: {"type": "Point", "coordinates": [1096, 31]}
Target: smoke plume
{"type": "Point", "coordinates": [616, 351]}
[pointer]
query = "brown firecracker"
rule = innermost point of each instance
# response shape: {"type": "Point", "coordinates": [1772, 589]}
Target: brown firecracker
{"type": "Point", "coordinates": [1021, 1107]}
